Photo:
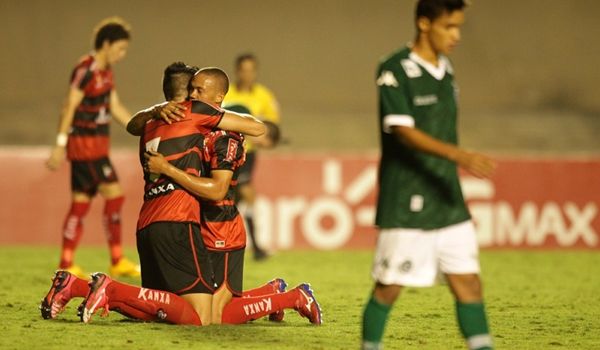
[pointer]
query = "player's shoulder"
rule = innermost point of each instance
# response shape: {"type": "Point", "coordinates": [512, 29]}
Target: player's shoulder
{"type": "Point", "coordinates": [85, 62]}
{"type": "Point", "coordinates": [204, 108]}
{"type": "Point", "coordinates": [394, 59]}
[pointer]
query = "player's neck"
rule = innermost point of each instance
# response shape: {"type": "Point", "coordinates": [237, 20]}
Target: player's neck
{"type": "Point", "coordinates": [101, 59]}
{"type": "Point", "coordinates": [425, 51]}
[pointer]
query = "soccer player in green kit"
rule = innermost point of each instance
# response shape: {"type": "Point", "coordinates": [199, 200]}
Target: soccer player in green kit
{"type": "Point", "coordinates": [425, 227]}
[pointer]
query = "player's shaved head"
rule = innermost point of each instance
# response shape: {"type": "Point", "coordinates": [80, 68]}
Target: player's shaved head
{"type": "Point", "coordinates": [219, 76]}
{"type": "Point", "coordinates": [176, 79]}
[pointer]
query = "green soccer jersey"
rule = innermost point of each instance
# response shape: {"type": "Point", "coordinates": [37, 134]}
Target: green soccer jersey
{"type": "Point", "coordinates": [417, 190]}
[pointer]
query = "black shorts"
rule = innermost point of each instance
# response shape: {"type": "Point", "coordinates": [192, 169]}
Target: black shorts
{"type": "Point", "coordinates": [173, 258]}
{"type": "Point", "coordinates": [247, 169]}
{"type": "Point", "coordinates": [87, 175]}
{"type": "Point", "coordinates": [229, 270]}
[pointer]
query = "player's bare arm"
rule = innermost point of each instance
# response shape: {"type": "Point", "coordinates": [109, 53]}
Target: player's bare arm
{"type": "Point", "coordinates": [117, 110]}
{"type": "Point", "coordinates": [169, 111]}
{"type": "Point", "coordinates": [73, 99]}
{"type": "Point", "coordinates": [242, 123]}
{"type": "Point", "coordinates": [477, 164]}
{"type": "Point", "coordinates": [212, 188]}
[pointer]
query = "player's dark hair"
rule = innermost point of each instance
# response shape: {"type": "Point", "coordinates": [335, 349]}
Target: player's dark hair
{"type": "Point", "coordinates": [219, 75]}
{"type": "Point", "coordinates": [433, 9]}
{"type": "Point", "coordinates": [176, 78]}
{"type": "Point", "coordinates": [245, 57]}
{"type": "Point", "coordinates": [111, 29]}
{"type": "Point", "coordinates": [273, 132]}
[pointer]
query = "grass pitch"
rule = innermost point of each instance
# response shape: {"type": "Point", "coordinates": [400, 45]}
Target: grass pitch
{"type": "Point", "coordinates": [535, 300]}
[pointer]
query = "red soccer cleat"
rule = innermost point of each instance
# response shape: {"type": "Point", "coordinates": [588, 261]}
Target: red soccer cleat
{"type": "Point", "coordinates": [96, 298]}
{"type": "Point", "coordinates": [59, 294]}
{"type": "Point", "coordinates": [307, 306]}
{"type": "Point", "coordinates": [279, 286]}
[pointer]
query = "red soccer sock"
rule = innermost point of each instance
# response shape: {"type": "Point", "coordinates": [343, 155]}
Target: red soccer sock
{"type": "Point", "coordinates": [262, 290]}
{"type": "Point", "coordinates": [79, 288]}
{"type": "Point", "coordinates": [72, 231]}
{"type": "Point", "coordinates": [146, 303]}
{"type": "Point", "coordinates": [242, 310]}
{"type": "Point", "coordinates": [112, 226]}
{"type": "Point", "coordinates": [130, 312]}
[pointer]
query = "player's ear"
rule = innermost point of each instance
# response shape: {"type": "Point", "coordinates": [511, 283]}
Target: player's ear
{"type": "Point", "coordinates": [424, 24]}
{"type": "Point", "coordinates": [219, 98]}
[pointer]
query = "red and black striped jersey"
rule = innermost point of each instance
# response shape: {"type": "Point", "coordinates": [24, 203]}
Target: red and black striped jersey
{"type": "Point", "coordinates": [88, 138]}
{"type": "Point", "coordinates": [222, 225]}
{"type": "Point", "coordinates": [181, 144]}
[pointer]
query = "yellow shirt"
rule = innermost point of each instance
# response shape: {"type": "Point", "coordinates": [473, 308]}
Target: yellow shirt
{"type": "Point", "coordinates": [259, 100]}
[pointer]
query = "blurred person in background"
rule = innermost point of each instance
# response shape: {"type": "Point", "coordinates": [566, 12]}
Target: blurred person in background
{"type": "Point", "coordinates": [425, 228]}
{"type": "Point", "coordinates": [261, 103]}
{"type": "Point", "coordinates": [83, 135]}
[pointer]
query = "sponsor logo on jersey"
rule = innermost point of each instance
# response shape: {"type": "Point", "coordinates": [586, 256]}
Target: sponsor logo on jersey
{"type": "Point", "coordinates": [406, 266]}
{"type": "Point", "coordinates": [425, 100]}
{"type": "Point", "coordinates": [154, 295]}
{"type": "Point", "coordinates": [160, 189]}
{"type": "Point", "coordinates": [387, 78]}
{"type": "Point", "coordinates": [411, 68]}
{"type": "Point", "coordinates": [264, 305]}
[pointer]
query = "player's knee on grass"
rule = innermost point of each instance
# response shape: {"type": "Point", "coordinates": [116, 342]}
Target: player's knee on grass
{"type": "Point", "coordinates": [386, 294]}
{"type": "Point", "coordinates": [466, 288]}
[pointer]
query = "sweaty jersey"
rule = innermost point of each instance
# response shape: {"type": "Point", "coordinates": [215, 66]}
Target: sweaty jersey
{"type": "Point", "coordinates": [417, 190]}
{"type": "Point", "coordinates": [88, 137]}
{"type": "Point", "coordinates": [222, 224]}
{"type": "Point", "coordinates": [181, 144]}
{"type": "Point", "coordinates": [259, 100]}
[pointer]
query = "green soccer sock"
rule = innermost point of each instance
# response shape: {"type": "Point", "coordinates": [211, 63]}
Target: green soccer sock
{"type": "Point", "coordinates": [374, 319]}
{"type": "Point", "coordinates": [473, 325]}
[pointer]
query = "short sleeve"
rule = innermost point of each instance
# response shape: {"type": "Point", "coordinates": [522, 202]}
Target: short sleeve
{"type": "Point", "coordinates": [394, 100]}
{"type": "Point", "coordinates": [81, 77]}
{"type": "Point", "coordinates": [229, 153]}
{"type": "Point", "coordinates": [206, 116]}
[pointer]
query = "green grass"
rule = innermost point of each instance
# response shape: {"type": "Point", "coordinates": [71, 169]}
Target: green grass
{"type": "Point", "coordinates": [535, 300]}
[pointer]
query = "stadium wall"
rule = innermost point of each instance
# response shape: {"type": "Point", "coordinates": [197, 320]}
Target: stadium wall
{"type": "Point", "coordinates": [326, 201]}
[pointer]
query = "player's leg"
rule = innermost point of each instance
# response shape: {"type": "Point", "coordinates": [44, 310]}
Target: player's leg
{"type": "Point", "coordinates": [403, 257]}
{"type": "Point", "coordinates": [301, 299]}
{"type": "Point", "coordinates": [83, 188]}
{"type": "Point", "coordinates": [276, 285]}
{"type": "Point", "coordinates": [65, 286]}
{"type": "Point", "coordinates": [137, 302]}
{"type": "Point", "coordinates": [112, 192]}
{"type": "Point", "coordinates": [458, 252]}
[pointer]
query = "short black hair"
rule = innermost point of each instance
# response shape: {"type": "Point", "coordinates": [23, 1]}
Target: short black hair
{"type": "Point", "coordinates": [219, 74]}
{"type": "Point", "coordinates": [111, 29]}
{"type": "Point", "coordinates": [433, 9]}
{"type": "Point", "coordinates": [176, 79]}
{"type": "Point", "coordinates": [243, 57]}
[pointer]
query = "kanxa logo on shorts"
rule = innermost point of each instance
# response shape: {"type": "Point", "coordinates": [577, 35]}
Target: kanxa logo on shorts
{"type": "Point", "coordinates": [264, 305]}
{"type": "Point", "coordinates": [154, 295]}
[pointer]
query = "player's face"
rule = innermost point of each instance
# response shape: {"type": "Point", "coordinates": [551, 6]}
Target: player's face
{"type": "Point", "coordinates": [206, 88]}
{"type": "Point", "coordinates": [247, 72]}
{"type": "Point", "coordinates": [443, 32]}
{"type": "Point", "coordinates": [116, 51]}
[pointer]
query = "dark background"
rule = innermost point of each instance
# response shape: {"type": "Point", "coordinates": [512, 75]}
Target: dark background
{"type": "Point", "coordinates": [527, 70]}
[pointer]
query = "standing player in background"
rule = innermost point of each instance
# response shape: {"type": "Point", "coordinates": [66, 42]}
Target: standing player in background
{"type": "Point", "coordinates": [83, 133]}
{"type": "Point", "coordinates": [261, 103]}
{"type": "Point", "coordinates": [425, 227]}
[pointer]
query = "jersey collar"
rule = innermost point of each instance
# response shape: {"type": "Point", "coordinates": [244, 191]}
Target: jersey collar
{"type": "Point", "coordinates": [437, 72]}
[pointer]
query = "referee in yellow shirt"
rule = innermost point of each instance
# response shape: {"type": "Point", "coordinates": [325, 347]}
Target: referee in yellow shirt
{"type": "Point", "coordinates": [262, 104]}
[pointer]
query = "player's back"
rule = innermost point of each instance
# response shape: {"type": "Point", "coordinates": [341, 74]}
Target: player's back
{"type": "Point", "coordinates": [181, 144]}
{"type": "Point", "coordinates": [222, 225]}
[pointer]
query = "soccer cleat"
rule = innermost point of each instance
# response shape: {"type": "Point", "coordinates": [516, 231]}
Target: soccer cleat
{"type": "Point", "coordinates": [307, 306]}
{"type": "Point", "coordinates": [125, 268]}
{"type": "Point", "coordinates": [96, 298]}
{"type": "Point", "coordinates": [77, 271]}
{"type": "Point", "coordinates": [279, 286]}
{"type": "Point", "coordinates": [59, 294]}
